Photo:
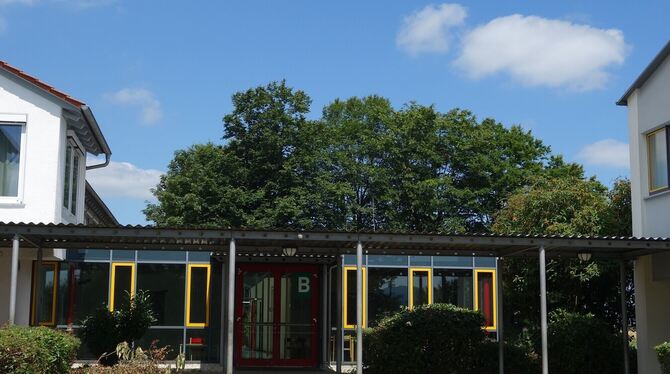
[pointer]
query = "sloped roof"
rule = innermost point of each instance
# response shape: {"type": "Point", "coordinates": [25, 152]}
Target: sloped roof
{"type": "Point", "coordinates": [80, 115]}
{"type": "Point", "coordinates": [646, 74]}
{"type": "Point", "coordinates": [315, 243]}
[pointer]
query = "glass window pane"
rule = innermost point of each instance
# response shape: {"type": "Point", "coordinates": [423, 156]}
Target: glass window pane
{"type": "Point", "coordinates": [198, 294]}
{"type": "Point", "coordinates": [456, 261]}
{"type": "Point", "coordinates": [295, 323]}
{"type": "Point", "coordinates": [387, 292]}
{"type": "Point", "coordinates": [420, 287]}
{"type": "Point", "coordinates": [123, 285]}
{"type": "Point", "coordinates": [387, 260]}
{"type": "Point", "coordinates": [453, 287]}
{"type": "Point", "coordinates": [202, 345]}
{"type": "Point", "coordinates": [165, 285]}
{"type": "Point", "coordinates": [75, 183]}
{"type": "Point", "coordinates": [485, 262]}
{"type": "Point", "coordinates": [174, 338]}
{"type": "Point", "coordinates": [419, 260]}
{"type": "Point", "coordinates": [87, 254]}
{"type": "Point", "coordinates": [658, 160]}
{"type": "Point", "coordinates": [199, 256]}
{"type": "Point", "coordinates": [123, 255]}
{"type": "Point", "coordinates": [66, 177]}
{"type": "Point", "coordinates": [350, 295]}
{"type": "Point", "coordinates": [485, 296]}
{"type": "Point", "coordinates": [351, 260]}
{"type": "Point", "coordinates": [45, 296]}
{"type": "Point", "coordinates": [161, 256]}
{"type": "Point", "coordinates": [82, 288]}
{"type": "Point", "coordinates": [10, 155]}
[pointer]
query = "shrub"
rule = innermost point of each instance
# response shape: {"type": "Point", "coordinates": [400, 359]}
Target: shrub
{"type": "Point", "coordinates": [132, 361]}
{"type": "Point", "coordinates": [104, 330]}
{"type": "Point", "coordinates": [438, 338]}
{"type": "Point", "coordinates": [581, 343]}
{"type": "Point", "coordinates": [663, 354]}
{"type": "Point", "coordinates": [36, 350]}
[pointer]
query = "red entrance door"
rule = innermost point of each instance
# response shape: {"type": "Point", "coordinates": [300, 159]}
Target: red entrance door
{"type": "Point", "coordinates": [276, 315]}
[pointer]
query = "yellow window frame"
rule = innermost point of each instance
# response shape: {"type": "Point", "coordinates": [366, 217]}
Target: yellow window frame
{"type": "Point", "coordinates": [495, 295]}
{"type": "Point", "coordinates": [344, 296]}
{"type": "Point", "coordinates": [112, 287]}
{"type": "Point", "coordinates": [188, 295]}
{"type": "Point", "coordinates": [649, 157]}
{"type": "Point", "coordinates": [54, 300]}
{"type": "Point", "coordinates": [411, 284]}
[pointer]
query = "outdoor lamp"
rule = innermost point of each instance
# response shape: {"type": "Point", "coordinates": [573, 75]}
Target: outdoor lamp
{"type": "Point", "coordinates": [289, 251]}
{"type": "Point", "coordinates": [584, 256]}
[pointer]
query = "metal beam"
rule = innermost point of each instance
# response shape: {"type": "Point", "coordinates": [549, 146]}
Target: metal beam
{"type": "Point", "coordinates": [359, 307]}
{"type": "Point", "coordinates": [324, 316]}
{"type": "Point", "coordinates": [501, 337]}
{"type": "Point", "coordinates": [231, 307]}
{"type": "Point", "coordinates": [14, 276]}
{"type": "Point", "coordinates": [338, 337]}
{"type": "Point", "coordinates": [543, 310]}
{"type": "Point", "coordinates": [624, 315]}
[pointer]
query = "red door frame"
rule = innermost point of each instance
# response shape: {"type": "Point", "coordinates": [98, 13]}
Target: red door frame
{"type": "Point", "coordinates": [277, 270]}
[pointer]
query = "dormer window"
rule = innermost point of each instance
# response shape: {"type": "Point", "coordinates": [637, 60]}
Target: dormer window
{"type": "Point", "coordinates": [73, 156]}
{"type": "Point", "coordinates": [10, 157]}
{"type": "Point", "coordinates": [657, 157]}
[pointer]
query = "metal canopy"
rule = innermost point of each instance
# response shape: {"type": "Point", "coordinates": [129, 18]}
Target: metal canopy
{"type": "Point", "coordinates": [256, 242]}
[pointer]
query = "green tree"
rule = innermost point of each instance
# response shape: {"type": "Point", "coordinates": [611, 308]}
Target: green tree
{"type": "Point", "coordinates": [564, 205]}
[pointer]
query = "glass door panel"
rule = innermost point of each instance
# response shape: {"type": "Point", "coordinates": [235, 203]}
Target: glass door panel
{"type": "Point", "coordinates": [296, 325]}
{"type": "Point", "coordinates": [257, 317]}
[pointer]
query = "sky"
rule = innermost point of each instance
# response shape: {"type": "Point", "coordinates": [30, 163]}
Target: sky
{"type": "Point", "coordinates": [159, 75]}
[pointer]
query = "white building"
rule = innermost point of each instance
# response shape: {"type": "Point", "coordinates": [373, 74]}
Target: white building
{"type": "Point", "coordinates": [45, 136]}
{"type": "Point", "coordinates": [648, 101]}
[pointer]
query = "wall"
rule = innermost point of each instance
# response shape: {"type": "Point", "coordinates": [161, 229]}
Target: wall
{"type": "Point", "coordinates": [40, 156]}
{"type": "Point", "coordinates": [648, 110]}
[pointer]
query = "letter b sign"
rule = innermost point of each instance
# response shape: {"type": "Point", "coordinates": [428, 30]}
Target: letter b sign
{"type": "Point", "coordinates": [303, 284]}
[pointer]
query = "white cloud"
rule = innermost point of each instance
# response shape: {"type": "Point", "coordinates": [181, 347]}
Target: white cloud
{"type": "Point", "coordinates": [21, 2]}
{"type": "Point", "coordinates": [143, 98]}
{"type": "Point", "coordinates": [607, 152]}
{"type": "Point", "coordinates": [428, 30]}
{"type": "Point", "coordinates": [123, 179]}
{"type": "Point", "coordinates": [538, 51]}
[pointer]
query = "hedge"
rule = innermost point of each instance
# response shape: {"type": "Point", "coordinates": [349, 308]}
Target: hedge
{"type": "Point", "coordinates": [581, 343]}
{"type": "Point", "coordinates": [438, 338]}
{"type": "Point", "coordinates": [36, 350]}
{"type": "Point", "coordinates": [663, 353]}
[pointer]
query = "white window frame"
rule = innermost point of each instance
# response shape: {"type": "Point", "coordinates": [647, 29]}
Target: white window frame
{"type": "Point", "coordinates": [20, 120]}
{"type": "Point", "coordinates": [77, 149]}
{"type": "Point", "coordinates": [650, 157]}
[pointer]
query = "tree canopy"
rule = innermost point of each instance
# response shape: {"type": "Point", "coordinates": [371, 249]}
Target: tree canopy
{"type": "Point", "coordinates": [362, 165]}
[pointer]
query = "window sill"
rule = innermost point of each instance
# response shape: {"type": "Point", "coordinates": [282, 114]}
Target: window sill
{"type": "Point", "coordinates": [12, 204]}
{"type": "Point", "coordinates": [652, 195]}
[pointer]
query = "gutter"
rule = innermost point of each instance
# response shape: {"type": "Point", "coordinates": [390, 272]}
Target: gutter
{"type": "Point", "coordinates": [88, 115]}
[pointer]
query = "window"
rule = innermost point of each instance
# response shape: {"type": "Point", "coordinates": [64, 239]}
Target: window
{"type": "Point", "coordinates": [388, 292]}
{"type": "Point", "coordinates": [657, 154]}
{"type": "Point", "coordinates": [349, 301]}
{"type": "Point", "coordinates": [123, 282]}
{"type": "Point", "coordinates": [10, 158]}
{"type": "Point", "coordinates": [420, 287]}
{"type": "Point", "coordinates": [165, 285]}
{"type": "Point", "coordinates": [197, 295]}
{"type": "Point", "coordinates": [485, 296]}
{"type": "Point", "coordinates": [46, 294]}
{"type": "Point", "coordinates": [80, 290]}
{"type": "Point", "coordinates": [452, 286]}
{"type": "Point", "coordinates": [71, 178]}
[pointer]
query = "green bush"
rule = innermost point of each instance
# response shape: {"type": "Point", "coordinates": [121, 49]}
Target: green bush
{"type": "Point", "coordinates": [36, 350]}
{"type": "Point", "coordinates": [663, 353]}
{"type": "Point", "coordinates": [104, 330]}
{"type": "Point", "coordinates": [581, 343]}
{"type": "Point", "coordinates": [438, 338]}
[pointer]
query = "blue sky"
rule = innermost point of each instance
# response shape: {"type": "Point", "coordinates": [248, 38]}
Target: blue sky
{"type": "Point", "coordinates": [159, 74]}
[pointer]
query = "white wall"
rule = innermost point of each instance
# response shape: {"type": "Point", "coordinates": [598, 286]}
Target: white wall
{"type": "Point", "coordinates": [649, 108]}
{"type": "Point", "coordinates": [41, 190]}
